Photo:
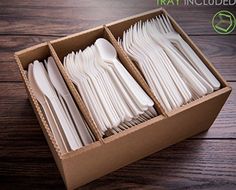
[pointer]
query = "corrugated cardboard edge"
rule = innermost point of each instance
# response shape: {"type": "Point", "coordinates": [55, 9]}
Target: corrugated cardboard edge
{"type": "Point", "coordinates": [201, 100]}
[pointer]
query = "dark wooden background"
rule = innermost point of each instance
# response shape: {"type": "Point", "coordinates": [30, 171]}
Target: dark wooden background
{"type": "Point", "coordinates": [206, 161]}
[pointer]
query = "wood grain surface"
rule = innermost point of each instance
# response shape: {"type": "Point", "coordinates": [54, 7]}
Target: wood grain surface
{"type": "Point", "coordinates": [206, 161]}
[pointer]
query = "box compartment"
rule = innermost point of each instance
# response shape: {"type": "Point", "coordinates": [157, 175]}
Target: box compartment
{"type": "Point", "coordinates": [116, 29]}
{"type": "Point", "coordinates": [63, 46]}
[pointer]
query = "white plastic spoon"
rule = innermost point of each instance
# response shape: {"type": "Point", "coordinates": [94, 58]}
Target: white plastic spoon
{"type": "Point", "coordinates": [108, 53]}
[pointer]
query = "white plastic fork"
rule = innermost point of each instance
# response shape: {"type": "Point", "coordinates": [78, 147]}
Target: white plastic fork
{"type": "Point", "coordinates": [169, 32]}
{"type": "Point", "coordinates": [158, 52]}
{"type": "Point", "coordinates": [129, 39]}
{"type": "Point", "coordinates": [70, 64]}
{"type": "Point", "coordinates": [180, 63]}
{"type": "Point", "coordinates": [156, 64]}
{"type": "Point", "coordinates": [182, 87]}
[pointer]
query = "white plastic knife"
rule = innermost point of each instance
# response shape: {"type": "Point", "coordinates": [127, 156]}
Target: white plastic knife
{"type": "Point", "coordinates": [60, 86]}
{"type": "Point", "coordinates": [41, 78]}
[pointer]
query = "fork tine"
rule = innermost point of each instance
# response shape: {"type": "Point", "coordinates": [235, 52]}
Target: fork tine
{"type": "Point", "coordinates": [124, 33]}
{"type": "Point", "coordinates": [152, 20]}
{"type": "Point", "coordinates": [163, 24]}
{"type": "Point", "coordinates": [166, 23]}
{"type": "Point", "coordinates": [154, 25]}
{"type": "Point", "coordinates": [138, 29]}
{"type": "Point", "coordinates": [131, 35]}
{"type": "Point", "coordinates": [159, 26]}
{"type": "Point", "coordinates": [119, 41]}
{"type": "Point", "coordinates": [133, 31]}
{"type": "Point", "coordinates": [125, 42]}
{"type": "Point", "coordinates": [139, 26]}
{"type": "Point", "coordinates": [168, 20]}
{"type": "Point", "coordinates": [146, 28]}
{"type": "Point", "coordinates": [142, 27]}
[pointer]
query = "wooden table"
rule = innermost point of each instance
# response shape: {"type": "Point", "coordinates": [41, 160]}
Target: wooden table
{"type": "Point", "coordinates": [205, 161]}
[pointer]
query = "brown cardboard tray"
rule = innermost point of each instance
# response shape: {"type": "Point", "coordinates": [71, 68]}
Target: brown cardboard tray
{"type": "Point", "coordinates": [111, 153]}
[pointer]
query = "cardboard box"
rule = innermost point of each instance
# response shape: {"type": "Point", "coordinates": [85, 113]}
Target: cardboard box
{"type": "Point", "coordinates": [111, 153]}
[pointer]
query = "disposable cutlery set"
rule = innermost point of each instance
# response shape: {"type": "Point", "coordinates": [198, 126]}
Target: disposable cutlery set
{"type": "Point", "coordinates": [65, 121]}
{"type": "Point", "coordinates": [172, 69]}
{"type": "Point", "coordinates": [114, 99]}
{"type": "Point", "coordinates": [116, 102]}
{"type": "Point", "coordinates": [154, 64]}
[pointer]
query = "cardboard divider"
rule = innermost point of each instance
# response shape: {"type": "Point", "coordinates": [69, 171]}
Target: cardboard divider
{"type": "Point", "coordinates": [62, 47]}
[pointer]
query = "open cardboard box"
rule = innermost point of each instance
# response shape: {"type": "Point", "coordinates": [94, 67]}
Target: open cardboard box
{"type": "Point", "coordinates": [111, 153]}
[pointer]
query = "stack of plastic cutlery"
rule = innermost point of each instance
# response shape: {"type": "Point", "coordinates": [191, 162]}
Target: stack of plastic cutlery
{"type": "Point", "coordinates": [69, 129]}
{"type": "Point", "coordinates": [114, 99]}
{"type": "Point", "coordinates": [172, 69]}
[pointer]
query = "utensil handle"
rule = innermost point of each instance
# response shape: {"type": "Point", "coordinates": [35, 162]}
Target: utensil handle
{"type": "Point", "coordinates": [131, 109]}
{"type": "Point", "coordinates": [196, 74]}
{"type": "Point", "coordinates": [85, 95]}
{"type": "Point", "coordinates": [76, 116]}
{"type": "Point", "coordinates": [137, 92]}
{"type": "Point", "coordinates": [199, 65]}
{"type": "Point", "coordinates": [54, 127]}
{"type": "Point", "coordinates": [64, 124]}
{"type": "Point", "coordinates": [187, 71]}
